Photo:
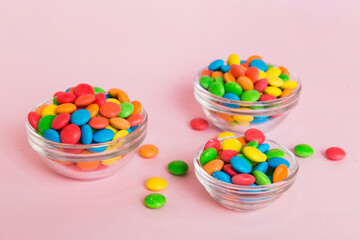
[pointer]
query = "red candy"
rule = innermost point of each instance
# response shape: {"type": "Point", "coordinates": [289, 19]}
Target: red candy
{"type": "Point", "coordinates": [57, 93]}
{"type": "Point", "coordinates": [252, 73]}
{"type": "Point", "coordinates": [254, 134]}
{"type": "Point", "coordinates": [243, 179]}
{"type": "Point", "coordinates": [33, 119]}
{"type": "Point", "coordinates": [85, 100]}
{"type": "Point", "coordinates": [260, 85]}
{"type": "Point", "coordinates": [226, 155]}
{"type": "Point", "coordinates": [60, 121]}
{"type": "Point", "coordinates": [135, 119]}
{"type": "Point", "coordinates": [100, 99]}
{"type": "Point", "coordinates": [83, 89]}
{"type": "Point", "coordinates": [66, 97]}
{"type": "Point", "coordinates": [229, 170]}
{"type": "Point", "coordinates": [110, 109]}
{"type": "Point", "coordinates": [98, 122]}
{"type": "Point", "coordinates": [267, 97]}
{"type": "Point", "coordinates": [70, 134]}
{"type": "Point", "coordinates": [213, 143]}
{"type": "Point", "coordinates": [199, 124]}
{"type": "Point", "coordinates": [206, 72]}
{"type": "Point", "coordinates": [335, 153]}
{"type": "Point", "coordinates": [236, 70]}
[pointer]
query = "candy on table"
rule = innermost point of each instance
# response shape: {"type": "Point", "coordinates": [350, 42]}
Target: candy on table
{"type": "Point", "coordinates": [199, 124]}
{"type": "Point", "coordinates": [156, 183]}
{"type": "Point", "coordinates": [84, 115]}
{"type": "Point", "coordinates": [335, 153]}
{"type": "Point", "coordinates": [155, 200]}
{"type": "Point", "coordinates": [303, 150]}
{"type": "Point", "coordinates": [178, 167]}
{"type": "Point", "coordinates": [148, 151]}
{"type": "Point", "coordinates": [246, 161]}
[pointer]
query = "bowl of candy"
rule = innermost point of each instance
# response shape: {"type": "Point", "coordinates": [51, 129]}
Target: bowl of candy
{"type": "Point", "coordinates": [85, 133]}
{"type": "Point", "coordinates": [245, 173]}
{"type": "Point", "coordinates": [243, 94]}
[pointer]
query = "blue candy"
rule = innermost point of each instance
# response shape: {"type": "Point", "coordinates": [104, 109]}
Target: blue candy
{"type": "Point", "coordinates": [103, 135]}
{"type": "Point", "coordinates": [258, 121]}
{"type": "Point", "coordinates": [262, 167]}
{"type": "Point", "coordinates": [67, 90]}
{"type": "Point", "coordinates": [241, 164]}
{"type": "Point", "coordinates": [260, 117]}
{"type": "Point", "coordinates": [242, 61]}
{"type": "Point", "coordinates": [52, 135]}
{"type": "Point", "coordinates": [107, 96]}
{"type": "Point", "coordinates": [222, 176]}
{"type": "Point", "coordinates": [80, 117]}
{"type": "Point", "coordinates": [225, 68]}
{"type": "Point", "coordinates": [215, 65]}
{"type": "Point", "coordinates": [86, 134]}
{"type": "Point", "coordinates": [270, 177]}
{"type": "Point", "coordinates": [259, 64]}
{"type": "Point", "coordinates": [231, 96]}
{"type": "Point", "coordinates": [264, 147]}
{"type": "Point", "coordinates": [276, 161]}
{"type": "Point", "coordinates": [98, 149]}
{"type": "Point", "coordinates": [134, 127]}
{"type": "Point", "coordinates": [129, 130]}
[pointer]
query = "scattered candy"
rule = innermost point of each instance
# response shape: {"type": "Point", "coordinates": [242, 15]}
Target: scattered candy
{"type": "Point", "coordinates": [199, 124]}
{"type": "Point", "coordinates": [335, 153]}
{"type": "Point", "coordinates": [303, 150]}
{"type": "Point", "coordinates": [155, 200]}
{"type": "Point", "coordinates": [244, 160]}
{"type": "Point", "coordinates": [156, 184]}
{"type": "Point", "coordinates": [178, 167]}
{"type": "Point", "coordinates": [148, 151]}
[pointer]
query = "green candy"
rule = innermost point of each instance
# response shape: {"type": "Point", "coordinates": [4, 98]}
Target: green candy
{"type": "Point", "coordinates": [178, 167]}
{"type": "Point", "coordinates": [303, 150]}
{"type": "Point", "coordinates": [45, 123]}
{"type": "Point", "coordinates": [208, 155]}
{"type": "Point", "coordinates": [261, 178]}
{"type": "Point", "coordinates": [155, 200]}
{"type": "Point", "coordinates": [55, 102]}
{"type": "Point", "coordinates": [275, 153]}
{"type": "Point", "coordinates": [98, 90]}
{"type": "Point", "coordinates": [126, 109]}
{"type": "Point", "coordinates": [220, 80]}
{"type": "Point", "coordinates": [233, 87]}
{"type": "Point", "coordinates": [250, 96]}
{"type": "Point", "coordinates": [205, 81]}
{"type": "Point", "coordinates": [284, 77]}
{"type": "Point", "coordinates": [254, 144]}
{"type": "Point", "coordinates": [257, 107]}
{"type": "Point", "coordinates": [270, 66]}
{"type": "Point", "coordinates": [217, 89]}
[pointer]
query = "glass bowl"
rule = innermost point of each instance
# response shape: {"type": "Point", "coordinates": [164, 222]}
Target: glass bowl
{"type": "Point", "coordinates": [244, 115]}
{"type": "Point", "coordinates": [247, 198]}
{"type": "Point", "coordinates": [87, 162]}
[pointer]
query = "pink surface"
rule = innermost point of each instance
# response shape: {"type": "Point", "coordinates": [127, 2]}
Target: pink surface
{"type": "Point", "coordinates": [152, 50]}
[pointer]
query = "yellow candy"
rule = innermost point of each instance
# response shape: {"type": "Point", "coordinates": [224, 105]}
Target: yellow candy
{"type": "Point", "coordinates": [111, 128]}
{"type": "Point", "coordinates": [156, 183]}
{"type": "Point", "coordinates": [242, 119]}
{"type": "Point", "coordinates": [113, 100]}
{"type": "Point", "coordinates": [225, 134]}
{"type": "Point", "coordinates": [273, 72]}
{"type": "Point", "coordinates": [264, 157]}
{"type": "Point", "coordinates": [120, 134]}
{"type": "Point", "coordinates": [233, 59]}
{"type": "Point", "coordinates": [110, 161]}
{"type": "Point", "coordinates": [231, 144]}
{"type": "Point", "coordinates": [253, 154]}
{"type": "Point", "coordinates": [289, 84]}
{"type": "Point", "coordinates": [262, 74]}
{"type": "Point", "coordinates": [49, 110]}
{"type": "Point", "coordinates": [273, 91]}
{"type": "Point", "coordinates": [275, 81]}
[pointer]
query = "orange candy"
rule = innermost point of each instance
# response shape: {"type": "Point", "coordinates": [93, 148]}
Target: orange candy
{"type": "Point", "coordinates": [286, 92]}
{"type": "Point", "coordinates": [212, 166]}
{"type": "Point", "coordinates": [245, 83]}
{"type": "Point", "coordinates": [98, 122]}
{"type": "Point", "coordinates": [119, 123]}
{"type": "Point", "coordinates": [88, 166]}
{"type": "Point", "coordinates": [242, 140]}
{"type": "Point", "coordinates": [252, 73]}
{"type": "Point", "coordinates": [206, 72]}
{"type": "Point", "coordinates": [39, 109]}
{"type": "Point", "coordinates": [225, 116]}
{"type": "Point", "coordinates": [217, 74]}
{"type": "Point", "coordinates": [280, 173]}
{"type": "Point", "coordinates": [113, 92]}
{"type": "Point", "coordinates": [137, 107]}
{"type": "Point", "coordinates": [110, 109]}
{"type": "Point", "coordinates": [229, 77]}
{"type": "Point", "coordinates": [284, 70]}
{"type": "Point", "coordinates": [237, 70]}
{"type": "Point", "coordinates": [65, 108]}
{"type": "Point", "coordinates": [122, 96]}
{"type": "Point", "coordinates": [252, 58]}
{"type": "Point", "coordinates": [93, 109]}
{"type": "Point", "coordinates": [245, 64]}
{"type": "Point", "coordinates": [148, 151]}
{"type": "Point", "coordinates": [84, 100]}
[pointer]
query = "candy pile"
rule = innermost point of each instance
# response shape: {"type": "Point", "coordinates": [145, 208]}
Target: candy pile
{"type": "Point", "coordinates": [251, 80]}
{"type": "Point", "coordinates": [87, 115]}
{"type": "Point", "coordinates": [245, 161]}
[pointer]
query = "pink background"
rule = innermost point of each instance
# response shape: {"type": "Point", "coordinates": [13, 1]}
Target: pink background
{"type": "Point", "coordinates": [152, 49]}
